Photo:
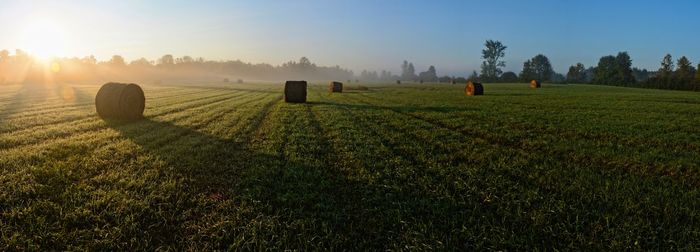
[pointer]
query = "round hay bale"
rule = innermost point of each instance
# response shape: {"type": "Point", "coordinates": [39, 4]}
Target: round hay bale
{"type": "Point", "coordinates": [535, 84]}
{"type": "Point", "coordinates": [120, 101]}
{"type": "Point", "coordinates": [421, 81]}
{"type": "Point", "coordinates": [239, 81]}
{"type": "Point", "coordinates": [295, 91]}
{"type": "Point", "coordinates": [226, 80]}
{"type": "Point", "coordinates": [473, 88]}
{"type": "Point", "coordinates": [398, 82]}
{"type": "Point", "coordinates": [335, 87]}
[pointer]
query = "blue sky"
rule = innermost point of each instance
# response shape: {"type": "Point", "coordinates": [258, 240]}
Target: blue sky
{"type": "Point", "coordinates": [359, 34]}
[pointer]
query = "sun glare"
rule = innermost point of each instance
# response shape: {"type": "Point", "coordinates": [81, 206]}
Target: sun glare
{"type": "Point", "coordinates": [45, 39]}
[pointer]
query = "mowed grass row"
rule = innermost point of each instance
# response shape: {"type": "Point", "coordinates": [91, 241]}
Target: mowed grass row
{"type": "Point", "coordinates": [630, 134]}
{"type": "Point", "coordinates": [395, 167]}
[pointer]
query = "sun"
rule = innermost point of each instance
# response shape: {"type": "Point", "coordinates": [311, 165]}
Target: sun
{"type": "Point", "coordinates": [44, 39]}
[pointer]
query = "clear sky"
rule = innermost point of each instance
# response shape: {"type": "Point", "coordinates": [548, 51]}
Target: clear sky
{"type": "Point", "coordinates": [357, 34]}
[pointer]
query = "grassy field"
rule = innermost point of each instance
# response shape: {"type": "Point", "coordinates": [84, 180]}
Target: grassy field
{"type": "Point", "coordinates": [392, 167]}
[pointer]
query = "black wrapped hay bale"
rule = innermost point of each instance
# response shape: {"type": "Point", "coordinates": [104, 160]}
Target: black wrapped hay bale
{"type": "Point", "coordinates": [120, 101]}
{"type": "Point", "coordinates": [473, 88]}
{"type": "Point", "coordinates": [295, 91]}
{"type": "Point", "coordinates": [335, 87]}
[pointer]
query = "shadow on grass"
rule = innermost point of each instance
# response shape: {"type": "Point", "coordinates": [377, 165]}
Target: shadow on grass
{"type": "Point", "coordinates": [405, 109]}
{"type": "Point", "coordinates": [496, 93]}
{"type": "Point", "coordinates": [297, 199]}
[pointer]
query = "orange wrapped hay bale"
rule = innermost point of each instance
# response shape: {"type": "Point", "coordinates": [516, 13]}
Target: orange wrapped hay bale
{"type": "Point", "coordinates": [473, 88]}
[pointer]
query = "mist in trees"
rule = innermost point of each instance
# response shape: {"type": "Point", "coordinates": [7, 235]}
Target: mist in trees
{"type": "Point", "coordinates": [21, 67]}
{"type": "Point", "coordinates": [408, 71]}
{"type": "Point", "coordinates": [429, 76]}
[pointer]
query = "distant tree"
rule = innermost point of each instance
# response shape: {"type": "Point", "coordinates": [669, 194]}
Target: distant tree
{"type": "Point", "coordinates": [117, 61]}
{"type": "Point", "coordinates": [605, 71]}
{"type": "Point", "coordinates": [491, 66]}
{"type": "Point", "coordinates": [432, 71]}
{"type": "Point", "coordinates": [4, 55]}
{"type": "Point", "coordinates": [614, 70]}
{"type": "Point", "coordinates": [166, 60]}
{"type": "Point", "coordinates": [404, 70]}
{"type": "Point", "coordinates": [142, 62]}
{"type": "Point", "coordinates": [683, 75]}
{"type": "Point", "coordinates": [411, 72]}
{"type": "Point", "coordinates": [537, 68]}
{"type": "Point", "coordinates": [305, 63]}
{"type": "Point", "coordinates": [509, 77]}
{"type": "Point", "coordinates": [696, 87]}
{"type": "Point", "coordinates": [666, 66]}
{"type": "Point", "coordinates": [528, 72]}
{"type": "Point", "coordinates": [187, 60]}
{"type": "Point", "coordinates": [430, 75]}
{"type": "Point", "coordinates": [576, 74]}
{"type": "Point", "coordinates": [664, 77]}
{"type": "Point", "coordinates": [623, 69]}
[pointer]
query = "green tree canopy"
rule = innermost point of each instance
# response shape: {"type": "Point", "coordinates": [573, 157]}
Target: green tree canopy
{"type": "Point", "coordinates": [537, 68]}
{"type": "Point", "coordinates": [576, 74]}
{"type": "Point", "coordinates": [491, 67]}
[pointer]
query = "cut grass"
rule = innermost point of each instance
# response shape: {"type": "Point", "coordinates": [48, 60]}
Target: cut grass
{"type": "Point", "coordinates": [401, 167]}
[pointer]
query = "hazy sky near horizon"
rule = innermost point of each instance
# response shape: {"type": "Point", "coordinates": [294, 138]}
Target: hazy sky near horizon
{"type": "Point", "coordinates": [357, 34]}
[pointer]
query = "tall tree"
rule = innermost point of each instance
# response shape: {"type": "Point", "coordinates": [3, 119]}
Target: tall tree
{"type": "Point", "coordinates": [491, 67]}
{"type": "Point", "coordinates": [684, 73]}
{"type": "Point", "coordinates": [606, 70]}
{"type": "Point", "coordinates": [166, 60]}
{"type": "Point", "coordinates": [432, 71]}
{"type": "Point", "coordinates": [411, 72]}
{"type": "Point", "coordinates": [697, 79]}
{"type": "Point", "coordinates": [666, 66]}
{"type": "Point", "coordinates": [430, 75]}
{"type": "Point", "coordinates": [664, 78]}
{"type": "Point", "coordinates": [540, 68]}
{"type": "Point", "coordinates": [623, 69]}
{"type": "Point", "coordinates": [576, 74]}
{"type": "Point", "coordinates": [528, 72]}
{"type": "Point", "coordinates": [117, 61]}
{"type": "Point", "coordinates": [404, 69]}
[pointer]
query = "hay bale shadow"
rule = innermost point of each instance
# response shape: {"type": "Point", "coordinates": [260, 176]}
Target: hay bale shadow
{"type": "Point", "coordinates": [288, 191]}
{"type": "Point", "coordinates": [408, 109]}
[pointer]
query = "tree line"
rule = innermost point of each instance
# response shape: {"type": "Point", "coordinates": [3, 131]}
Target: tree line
{"type": "Point", "coordinates": [21, 67]}
{"type": "Point", "coordinates": [611, 70]}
